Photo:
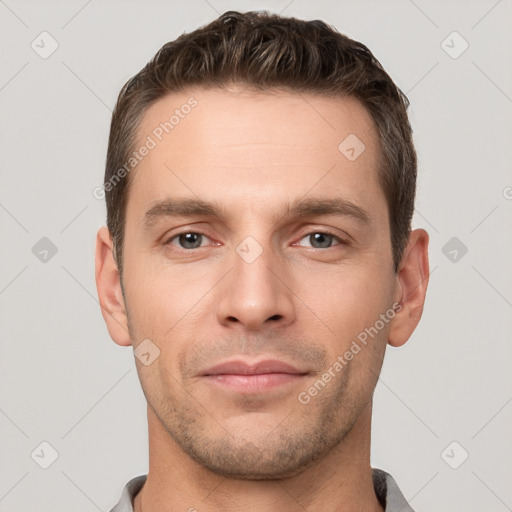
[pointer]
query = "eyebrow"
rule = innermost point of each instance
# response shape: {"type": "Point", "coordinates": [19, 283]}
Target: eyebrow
{"type": "Point", "coordinates": [299, 208]}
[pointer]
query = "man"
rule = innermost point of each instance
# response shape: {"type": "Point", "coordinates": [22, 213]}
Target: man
{"type": "Point", "coordinates": [260, 184]}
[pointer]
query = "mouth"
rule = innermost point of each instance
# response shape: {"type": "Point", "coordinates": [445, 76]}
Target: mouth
{"type": "Point", "coordinates": [253, 378]}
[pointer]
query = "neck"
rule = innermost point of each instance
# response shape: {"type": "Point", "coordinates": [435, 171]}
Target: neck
{"type": "Point", "coordinates": [341, 480]}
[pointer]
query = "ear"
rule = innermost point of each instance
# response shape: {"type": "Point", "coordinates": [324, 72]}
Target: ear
{"type": "Point", "coordinates": [108, 284]}
{"type": "Point", "coordinates": [411, 287]}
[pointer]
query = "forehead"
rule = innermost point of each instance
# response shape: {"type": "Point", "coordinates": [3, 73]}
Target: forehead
{"type": "Point", "coordinates": [242, 145]}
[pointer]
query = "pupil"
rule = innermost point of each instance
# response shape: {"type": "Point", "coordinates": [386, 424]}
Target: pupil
{"type": "Point", "coordinates": [322, 238]}
{"type": "Point", "coordinates": [189, 240]}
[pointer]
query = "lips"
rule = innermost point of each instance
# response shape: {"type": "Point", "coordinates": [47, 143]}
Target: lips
{"type": "Point", "coordinates": [243, 368]}
{"type": "Point", "coordinates": [253, 378]}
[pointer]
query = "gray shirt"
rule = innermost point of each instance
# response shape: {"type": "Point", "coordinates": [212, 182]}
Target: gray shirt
{"type": "Point", "coordinates": [385, 487]}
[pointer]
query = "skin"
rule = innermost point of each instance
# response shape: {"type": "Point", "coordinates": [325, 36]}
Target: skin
{"type": "Point", "coordinates": [303, 300]}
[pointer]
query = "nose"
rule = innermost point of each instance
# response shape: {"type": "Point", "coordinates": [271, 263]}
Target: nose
{"type": "Point", "coordinates": [257, 295]}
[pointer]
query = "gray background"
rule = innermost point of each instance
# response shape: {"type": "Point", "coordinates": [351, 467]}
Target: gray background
{"type": "Point", "coordinates": [64, 382]}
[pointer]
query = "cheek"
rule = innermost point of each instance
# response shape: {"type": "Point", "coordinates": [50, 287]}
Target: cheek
{"type": "Point", "coordinates": [351, 304]}
{"type": "Point", "coordinates": [349, 298]}
{"type": "Point", "coordinates": [162, 299]}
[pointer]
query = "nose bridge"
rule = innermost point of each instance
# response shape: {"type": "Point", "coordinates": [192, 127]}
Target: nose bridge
{"type": "Point", "coordinates": [253, 294]}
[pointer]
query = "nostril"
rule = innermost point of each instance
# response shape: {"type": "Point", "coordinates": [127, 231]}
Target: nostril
{"type": "Point", "coordinates": [276, 317]}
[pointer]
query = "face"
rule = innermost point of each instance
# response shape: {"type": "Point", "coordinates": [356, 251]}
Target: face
{"type": "Point", "coordinates": [257, 255]}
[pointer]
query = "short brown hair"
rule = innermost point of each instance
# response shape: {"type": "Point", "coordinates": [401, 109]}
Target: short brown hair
{"type": "Point", "coordinates": [262, 51]}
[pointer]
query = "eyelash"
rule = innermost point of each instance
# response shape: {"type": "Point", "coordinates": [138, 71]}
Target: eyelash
{"type": "Point", "coordinates": [322, 232]}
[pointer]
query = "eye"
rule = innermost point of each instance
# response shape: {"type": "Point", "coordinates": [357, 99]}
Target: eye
{"type": "Point", "coordinates": [193, 240]}
{"type": "Point", "coordinates": [322, 240]}
{"type": "Point", "coordinates": [187, 240]}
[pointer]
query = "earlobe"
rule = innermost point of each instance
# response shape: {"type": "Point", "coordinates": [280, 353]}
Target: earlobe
{"type": "Point", "coordinates": [110, 295]}
{"type": "Point", "coordinates": [411, 288]}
